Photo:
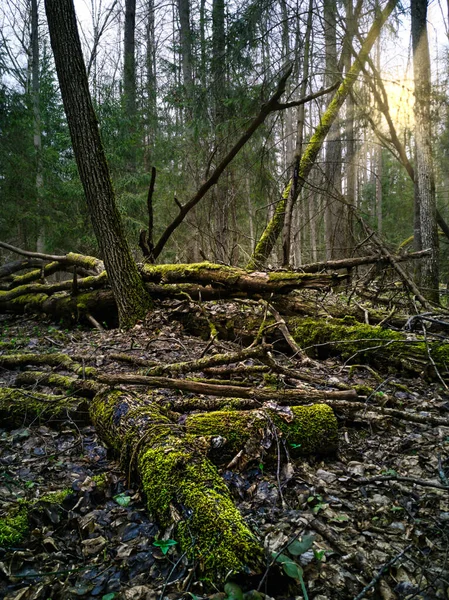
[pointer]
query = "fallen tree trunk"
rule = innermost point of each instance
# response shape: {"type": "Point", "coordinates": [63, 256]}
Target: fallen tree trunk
{"type": "Point", "coordinates": [88, 295]}
{"type": "Point", "coordinates": [357, 342]}
{"type": "Point", "coordinates": [181, 485]}
{"type": "Point", "coordinates": [298, 396]}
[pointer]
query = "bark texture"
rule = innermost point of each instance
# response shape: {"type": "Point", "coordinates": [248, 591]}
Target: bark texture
{"type": "Point", "coordinates": [130, 295]}
{"type": "Point", "coordinates": [424, 173]}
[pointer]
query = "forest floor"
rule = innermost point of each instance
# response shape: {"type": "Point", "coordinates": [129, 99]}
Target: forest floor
{"type": "Point", "coordinates": [98, 541]}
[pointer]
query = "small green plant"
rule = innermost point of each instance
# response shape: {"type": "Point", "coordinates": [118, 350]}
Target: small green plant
{"type": "Point", "coordinates": [319, 555]}
{"type": "Point", "coordinates": [122, 499]}
{"type": "Point", "coordinates": [390, 472]}
{"type": "Point", "coordinates": [290, 566]}
{"type": "Point", "coordinates": [316, 503]}
{"type": "Point", "coordinates": [164, 545]}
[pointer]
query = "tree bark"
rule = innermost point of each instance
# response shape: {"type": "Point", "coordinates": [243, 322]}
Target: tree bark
{"type": "Point", "coordinates": [287, 229]}
{"type": "Point", "coordinates": [429, 276]}
{"type": "Point", "coordinates": [129, 82]}
{"type": "Point", "coordinates": [129, 293]}
{"type": "Point", "coordinates": [37, 136]}
{"type": "Point", "coordinates": [186, 52]}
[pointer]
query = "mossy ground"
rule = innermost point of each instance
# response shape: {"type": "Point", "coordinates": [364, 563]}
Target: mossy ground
{"type": "Point", "coordinates": [14, 527]}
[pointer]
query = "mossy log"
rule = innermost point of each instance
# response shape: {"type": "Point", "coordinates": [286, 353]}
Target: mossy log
{"type": "Point", "coordinates": [180, 483]}
{"type": "Point", "coordinates": [19, 406]}
{"type": "Point", "coordinates": [56, 359]}
{"type": "Point", "coordinates": [295, 396]}
{"type": "Point", "coordinates": [356, 342]}
{"type": "Point", "coordinates": [306, 429]}
{"type": "Point", "coordinates": [93, 296]}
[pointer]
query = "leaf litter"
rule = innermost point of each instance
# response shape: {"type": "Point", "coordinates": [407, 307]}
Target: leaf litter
{"type": "Point", "coordinates": [373, 520]}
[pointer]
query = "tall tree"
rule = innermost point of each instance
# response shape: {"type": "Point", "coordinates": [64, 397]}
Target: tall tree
{"type": "Point", "coordinates": [127, 286]}
{"type": "Point", "coordinates": [335, 212]}
{"type": "Point", "coordinates": [186, 51]}
{"type": "Point", "coordinates": [424, 174]}
{"type": "Point", "coordinates": [287, 230]}
{"type": "Point", "coordinates": [129, 79]}
{"type": "Point", "coordinates": [37, 137]}
{"type": "Point", "coordinates": [218, 68]}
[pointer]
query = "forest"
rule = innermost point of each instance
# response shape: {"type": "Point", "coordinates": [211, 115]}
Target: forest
{"type": "Point", "coordinates": [224, 235]}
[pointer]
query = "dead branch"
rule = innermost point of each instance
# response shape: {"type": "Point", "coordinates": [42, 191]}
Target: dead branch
{"type": "Point", "coordinates": [270, 106]}
{"type": "Point", "coordinates": [228, 391]}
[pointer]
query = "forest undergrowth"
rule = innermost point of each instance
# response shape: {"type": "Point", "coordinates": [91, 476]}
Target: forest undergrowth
{"type": "Point", "coordinates": [367, 520]}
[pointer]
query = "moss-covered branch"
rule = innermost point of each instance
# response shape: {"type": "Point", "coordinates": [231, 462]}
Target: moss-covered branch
{"type": "Point", "coordinates": [357, 341]}
{"type": "Point", "coordinates": [180, 483]}
{"type": "Point", "coordinates": [266, 243]}
{"type": "Point", "coordinates": [18, 406]}
{"type": "Point", "coordinates": [307, 429]}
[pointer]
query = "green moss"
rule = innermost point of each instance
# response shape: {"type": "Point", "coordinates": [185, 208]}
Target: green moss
{"type": "Point", "coordinates": [337, 337]}
{"type": "Point", "coordinates": [101, 481]}
{"type": "Point", "coordinates": [313, 429]}
{"type": "Point", "coordinates": [57, 497]}
{"type": "Point", "coordinates": [363, 390]}
{"type": "Point", "coordinates": [13, 528]}
{"type": "Point", "coordinates": [29, 300]}
{"type": "Point", "coordinates": [15, 407]}
{"type": "Point", "coordinates": [271, 233]}
{"type": "Point", "coordinates": [180, 484]}
{"type": "Point", "coordinates": [366, 343]}
{"type": "Point", "coordinates": [211, 529]}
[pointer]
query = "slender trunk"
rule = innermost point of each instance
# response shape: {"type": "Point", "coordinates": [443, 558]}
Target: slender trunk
{"type": "Point", "coordinates": [129, 81]}
{"type": "Point", "coordinates": [186, 52]}
{"type": "Point", "coordinates": [287, 229]}
{"type": "Point", "coordinates": [335, 212]}
{"type": "Point", "coordinates": [221, 192]}
{"type": "Point", "coordinates": [424, 174]}
{"type": "Point", "coordinates": [351, 166]}
{"type": "Point", "coordinates": [127, 286]}
{"type": "Point", "coordinates": [274, 227]}
{"type": "Point", "coordinates": [37, 137]}
{"type": "Point", "coordinates": [151, 85]}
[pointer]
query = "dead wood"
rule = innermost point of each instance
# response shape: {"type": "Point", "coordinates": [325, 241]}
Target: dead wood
{"type": "Point", "coordinates": [228, 391]}
{"type": "Point", "coordinates": [19, 406]}
{"type": "Point", "coordinates": [209, 361]}
{"type": "Point", "coordinates": [57, 360]}
{"type": "Point", "coordinates": [79, 387]}
{"type": "Point", "coordinates": [351, 263]}
{"type": "Point", "coordinates": [72, 259]}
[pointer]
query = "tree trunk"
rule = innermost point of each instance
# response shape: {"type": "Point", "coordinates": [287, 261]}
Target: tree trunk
{"type": "Point", "coordinates": [335, 212]}
{"type": "Point", "coordinates": [220, 195]}
{"type": "Point", "coordinates": [287, 230]}
{"type": "Point", "coordinates": [37, 137]}
{"type": "Point", "coordinates": [186, 52]}
{"type": "Point", "coordinates": [151, 84]}
{"type": "Point", "coordinates": [129, 82]}
{"type": "Point", "coordinates": [129, 293]}
{"type": "Point", "coordinates": [424, 164]}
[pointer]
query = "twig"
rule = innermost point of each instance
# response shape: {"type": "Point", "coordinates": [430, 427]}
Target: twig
{"type": "Point", "coordinates": [382, 570]}
{"type": "Point", "coordinates": [415, 480]}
